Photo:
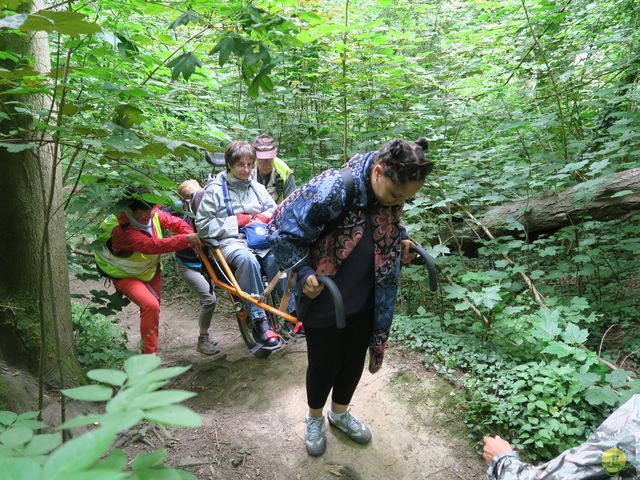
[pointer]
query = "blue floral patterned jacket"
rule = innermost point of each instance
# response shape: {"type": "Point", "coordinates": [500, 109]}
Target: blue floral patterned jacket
{"type": "Point", "coordinates": [296, 236]}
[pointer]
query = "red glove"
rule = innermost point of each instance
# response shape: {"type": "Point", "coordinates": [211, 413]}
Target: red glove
{"type": "Point", "coordinates": [259, 217]}
{"type": "Point", "coordinates": [243, 219]}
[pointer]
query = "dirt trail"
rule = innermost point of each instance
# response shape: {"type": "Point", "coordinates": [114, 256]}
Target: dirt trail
{"type": "Point", "coordinates": [253, 411]}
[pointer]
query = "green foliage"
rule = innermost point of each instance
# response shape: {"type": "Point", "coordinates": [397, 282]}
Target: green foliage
{"type": "Point", "coordinates": [538, 406]}
{"type": "Point", "coordinates": [132, 395]}
{"type": "Point", "coordinates": [99, 340]}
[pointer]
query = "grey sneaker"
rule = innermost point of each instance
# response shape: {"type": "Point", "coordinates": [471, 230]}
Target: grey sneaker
{"type": "Point", "coordinates": [206, 345]}
{"type": "Point", "coordinates": [316, 440]}
{"type": "Point", "coordinates": [351, 426]}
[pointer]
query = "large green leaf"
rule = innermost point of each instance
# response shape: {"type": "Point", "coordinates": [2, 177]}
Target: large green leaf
{"type": "Point", "coordinates": [184, 65]}
{"type": "Point", "coordinates": [116, 460]}
{"type": "Point", "coordinates": [17, 147]}
{"type": "Point", "coordinates": [15, 437]}
{"type": "Point", "coordinates": [184, 19]}
{"type": "Point", "coordinates": [600, 395]}
{"type": "Point", "coordinates": [140, 365]}
{"type": "Point", "coordinates": [575, 334]}
{"type": "Point", "coordinates": [112, 377]}
{"type": "Point", "coordinates": [120, 403]}
{"type": "Point", "coordinates": [7, 418]}
{"type": "Point", "coordinates": [115, 420]}
{"type": "Point", "coordinates": [81, 421]}
{"type": "Point", "coordinates": [176, 415]}
{"type": "Point", "coordinates": [20, 469]}
{"type": "Point", "coordinates": [79, 453]}
{"type": "Point", "coordinates": [226, 46]}
{"type": "Point", "coordinates": [618, 377]}
{"type": "Point", "coordinates": [65, 22]}
{"type": "Point", "coordinates": [147, 460]}
{"type": "Point", "coordinates": [127, 115]}
{"type": "Point", "coordinates": [559, 349]}
{"type": "Point", "coordinates": [546, 328]}
{"type": "Point", "coordinates": [160, 399]}
{"type": "Point", "coordinates": [90, 393]}
{"type": "Point", "coordinates": [41, 444]}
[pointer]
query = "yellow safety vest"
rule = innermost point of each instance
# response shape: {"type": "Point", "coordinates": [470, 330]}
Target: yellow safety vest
{"type": "Point", "coordinates": [138, 265]}
{"type": "Point", "coordinates": [283, 171]}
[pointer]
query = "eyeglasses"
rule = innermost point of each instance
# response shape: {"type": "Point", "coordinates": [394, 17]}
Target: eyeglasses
{"type": "Point", "coordinates": [242, 166]}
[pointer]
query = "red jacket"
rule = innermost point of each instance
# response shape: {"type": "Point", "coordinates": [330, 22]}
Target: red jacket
{"type": "Point", "coordinates": [126, 239]}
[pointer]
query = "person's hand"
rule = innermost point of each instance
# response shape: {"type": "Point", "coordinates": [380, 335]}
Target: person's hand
{"type": "Point", "coordinates": [312, 287]}
{"type": "Point", "coordinates": [406, 255]}
{"type": "Point", "coordinates": [194, 239]}
{"type": "Point", "coordinates": [243, 219]}
{"type": "Point", "coordinates": [494, 446]}
{"type": "Point", "coordinates": [262, 218]}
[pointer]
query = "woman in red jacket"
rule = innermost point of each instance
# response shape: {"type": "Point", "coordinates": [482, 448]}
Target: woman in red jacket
{"type": "Point", "coordinates": [131, 257]}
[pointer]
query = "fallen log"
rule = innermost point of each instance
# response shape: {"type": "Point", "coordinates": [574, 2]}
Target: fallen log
{"type": "Point", "coordinates": [606, 198]}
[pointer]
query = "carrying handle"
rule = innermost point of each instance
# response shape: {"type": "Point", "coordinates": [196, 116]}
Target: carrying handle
{"type": "Point", "coordinates": [429, 262]}
{"type": "Point", "coordinates": [337, 299]}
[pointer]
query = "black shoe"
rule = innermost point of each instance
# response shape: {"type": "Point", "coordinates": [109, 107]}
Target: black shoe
{"type": "Point", "coordinates": [267, 336]}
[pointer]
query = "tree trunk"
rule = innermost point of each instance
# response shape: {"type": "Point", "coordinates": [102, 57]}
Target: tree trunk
{"type": "Point", "coordinates": [542, 215]}
{"type": "Point", "coordinates": [27, 178]}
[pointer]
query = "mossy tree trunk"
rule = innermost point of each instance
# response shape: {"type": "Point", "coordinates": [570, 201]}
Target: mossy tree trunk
{"type": "Point", "coordinates": [34, 282]}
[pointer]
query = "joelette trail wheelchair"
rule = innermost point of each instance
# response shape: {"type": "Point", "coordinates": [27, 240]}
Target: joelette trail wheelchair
{"type": "Point", "coordinates": [280, 322]}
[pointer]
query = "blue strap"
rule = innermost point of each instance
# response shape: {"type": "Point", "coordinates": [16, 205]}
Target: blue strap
{"type": "Point", "coordinates": [258, 197]}
{"type": "Point", "coordinates": [227, 200]}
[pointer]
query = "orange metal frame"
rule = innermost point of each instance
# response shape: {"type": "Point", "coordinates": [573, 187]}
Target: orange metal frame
{"type": "Point", "coordinates": [234, 289]}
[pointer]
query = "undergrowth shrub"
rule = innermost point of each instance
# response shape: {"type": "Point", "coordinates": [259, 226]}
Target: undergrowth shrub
{"type": "Point", "coordinates": [100, 341]}
{"type": "Point", "coordinates": [543, 405]}
{"type": "Point", "coordinates": [133, 394]}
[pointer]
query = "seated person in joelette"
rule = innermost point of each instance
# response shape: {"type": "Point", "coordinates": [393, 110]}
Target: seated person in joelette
{"type": "Point", "coordinates": [231, 201]}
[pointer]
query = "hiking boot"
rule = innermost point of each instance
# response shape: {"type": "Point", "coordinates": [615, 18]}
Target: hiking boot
{"type": "Point", "coordinates": [350, 426]}
{"type": "Point", "coordinates": [316, 440]}
{"type": "Point", "coordinates": [206, 345]}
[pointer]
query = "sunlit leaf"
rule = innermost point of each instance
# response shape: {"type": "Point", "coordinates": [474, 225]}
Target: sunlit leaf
{"type": "Point", "coordinates": [574, 334]}
{"type": "Point", "coordinates": [79, 453]}
{"type": "Point", "coordinates": [89, 393]}
{"type": "Point", "coordinates": [112, 377]}
{"type": "Point", "coordinates": [176, 415]}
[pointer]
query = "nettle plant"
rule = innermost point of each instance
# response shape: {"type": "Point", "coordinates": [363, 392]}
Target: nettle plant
{"type": "Point", "coordinates": [132, 396]}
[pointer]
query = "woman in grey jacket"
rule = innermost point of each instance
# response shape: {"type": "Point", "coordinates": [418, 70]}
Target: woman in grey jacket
{"type": "Point", "coordinates": [231, 201]}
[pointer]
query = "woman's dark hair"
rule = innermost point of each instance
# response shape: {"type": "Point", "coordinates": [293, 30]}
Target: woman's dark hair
{"type": "Point", "coordinates": [404, 161]}
{"type": "Point", "coordinates": [236, 151]}
{"type": "Point", "coordinates": [133, 199]}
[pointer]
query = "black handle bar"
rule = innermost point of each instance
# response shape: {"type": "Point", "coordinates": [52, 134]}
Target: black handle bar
{"type": "Point", "coordinates": [214, 159]}
{"type": "Point", "coordinates": [430, 263]}
{"type": "Point", "coordinates": [337, 299]}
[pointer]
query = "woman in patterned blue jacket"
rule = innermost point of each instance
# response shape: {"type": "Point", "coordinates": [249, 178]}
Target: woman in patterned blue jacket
{"type": "Point", "coordinates": [362, 254]}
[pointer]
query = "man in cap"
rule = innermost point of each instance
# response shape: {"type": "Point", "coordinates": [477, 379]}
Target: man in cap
{"type": "Point", "coordinates": [270, 171]}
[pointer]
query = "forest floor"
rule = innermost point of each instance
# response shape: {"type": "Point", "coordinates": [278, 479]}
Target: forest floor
{"type": "Point", "coordinates": [253, 410]}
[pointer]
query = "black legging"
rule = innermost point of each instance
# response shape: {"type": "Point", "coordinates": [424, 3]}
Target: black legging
{"type": "Point", "coordinates": [336, 359]}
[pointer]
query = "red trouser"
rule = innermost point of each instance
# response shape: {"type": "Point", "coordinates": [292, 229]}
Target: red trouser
{"type": "Point", "coordinates": [147, 297]}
